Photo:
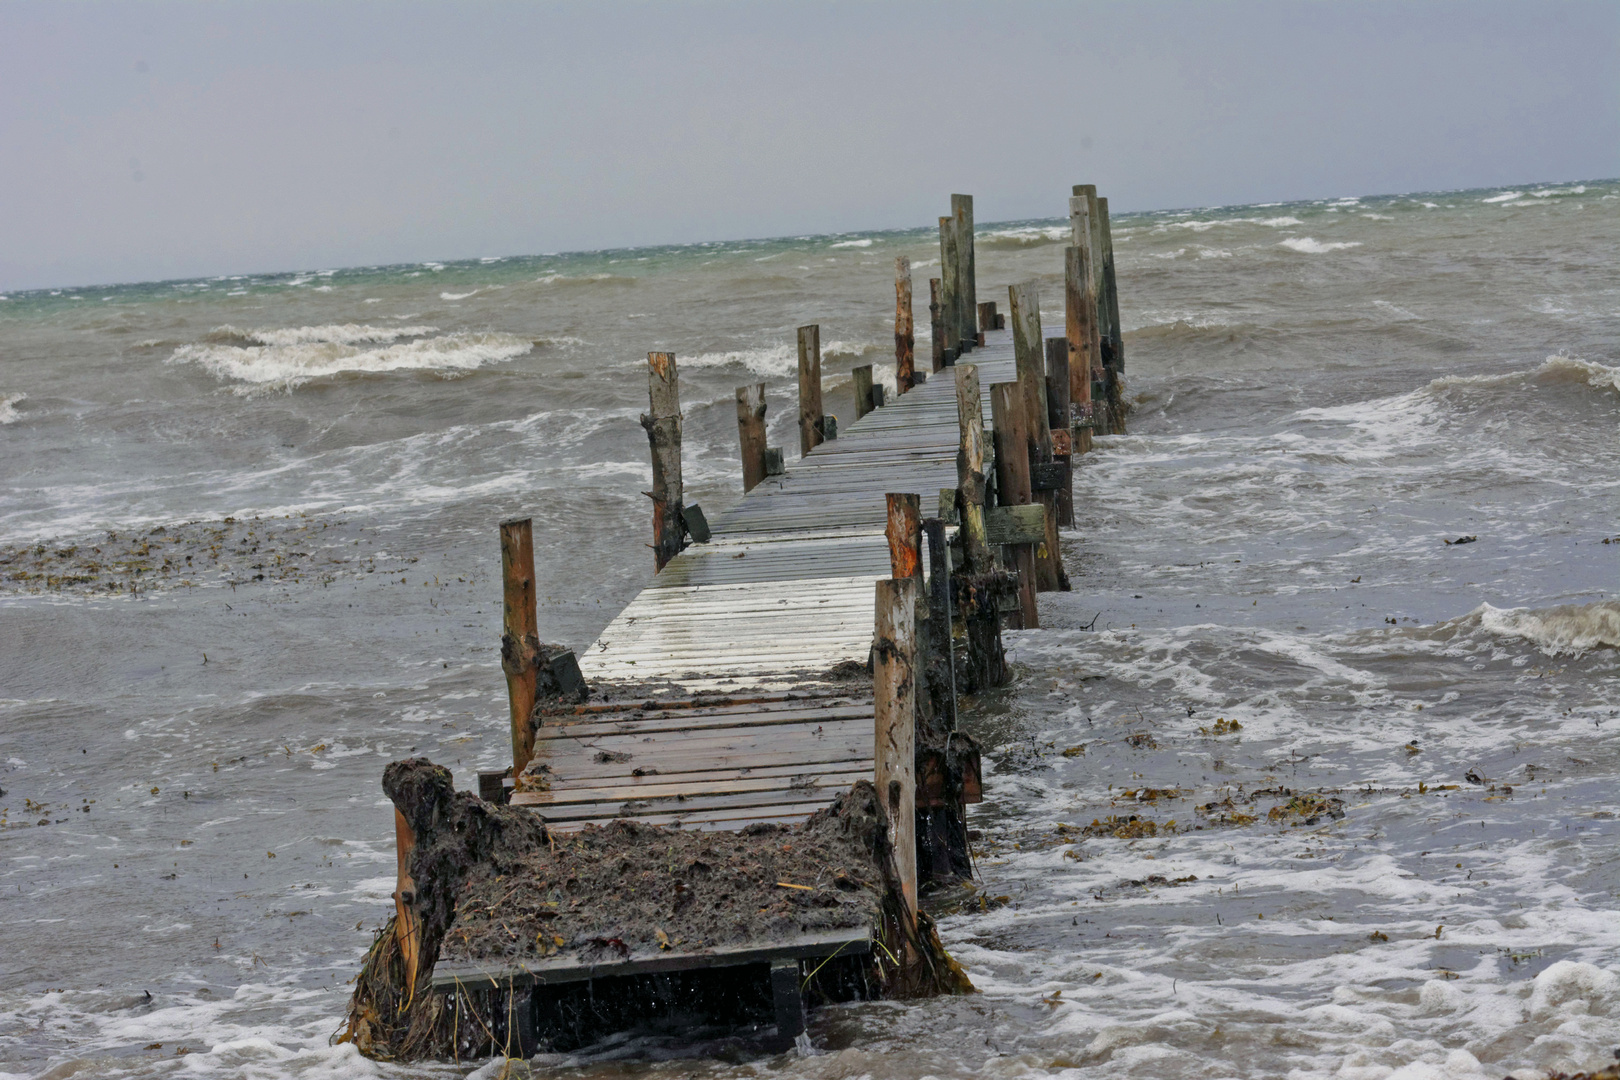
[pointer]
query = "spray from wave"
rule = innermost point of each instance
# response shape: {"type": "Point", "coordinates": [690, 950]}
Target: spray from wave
{"type": "Point", "coordinates": [288, 358]}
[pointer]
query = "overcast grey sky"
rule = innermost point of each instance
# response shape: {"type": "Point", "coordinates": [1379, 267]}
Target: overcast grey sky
{"type": "Point", "coordinates": [148, 141]}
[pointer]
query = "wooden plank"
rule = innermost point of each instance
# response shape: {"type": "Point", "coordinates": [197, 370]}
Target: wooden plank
{"type": "Point", "coordinates": [715, 722]}
{"type": "Point", "coordinates": [451, 975]}
{"type": "Point", "coordinates": [781, 814]}
{"type": "Point", "coordinates": [820, 794]}
{"type": "Point", "coordinates": [1015, 524]}
{"type": "Point", "coordinates": [683, 789]}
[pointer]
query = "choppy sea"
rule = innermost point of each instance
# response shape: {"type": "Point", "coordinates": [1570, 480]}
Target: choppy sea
{"type": "Point", "coordinates": [1288, 787]}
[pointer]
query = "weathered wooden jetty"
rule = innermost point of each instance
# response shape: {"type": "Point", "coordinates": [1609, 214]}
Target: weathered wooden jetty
{"type": "Point", "coordinates": [821, 631]}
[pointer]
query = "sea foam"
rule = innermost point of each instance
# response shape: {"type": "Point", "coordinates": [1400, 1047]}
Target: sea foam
{"type": "Point", "coordinates": [1568, 629]}
{"type": "Point", "coordinates": [8, 408]}
{"type": "Point", "coordinates": [1309, 246]}
{"type": "Point", "coordinates": [288, 358]}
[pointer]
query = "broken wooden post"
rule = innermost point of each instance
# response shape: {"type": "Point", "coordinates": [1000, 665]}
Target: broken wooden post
{"type": "Point", "coordinates": [904, 533]}
{"type": "Point", "coordinates": [967, 290]}
{"type": "Point", "coordinates": [751, 433]}
{"type": "Point", "coordinates": [520, 638]}
{"type": "Point", "coordinates": [905, 334]}
{"type": "Point", "coordinates": [1057, 419]}
{"type": "Point", "coordinates": [811, 431]}
{"type": "Point", "coordinates": [987, 315]}
{"type": "Point", "coordinates": [407, 924]}
{"type": "Point", "coordinates": [1013, 488]}
{"type": "Point", "coordinates": [894, 650]}
{"type": "Point", "coordinates": [787, 995]}
{"type": "Point", "coordinates": [970, 470]}
{"type": "Point", "coordinates": [663, 426]}
{"type": "Point", "coordinates": [936, 325]}
{"type": "Point", "coordinates": [1080, 300]}
{"type": "Point", "coordinates": [950, 295]}
{"type": "Point", "coordinates": [1028, 345]}
{"type": "Point", "coordinates": [863, 390]}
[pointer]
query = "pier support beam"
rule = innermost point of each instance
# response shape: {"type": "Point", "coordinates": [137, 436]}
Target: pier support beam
{"type": "Point", "coordinates": [905, 333]}
{"type": "Point", "coordinates": [663, 424]}
{"type": "Point", "coordinates": [950, 295]}
{"type": "Point", "coordinates": [520, 636]}
{"type": "Point", "coordinates": [977, 587]}
{"type": "Point", "coordinates": [1114, 350]}
{"type": "Point", "coordinates": [751, 433]}
{"type": "Point", "coordinates": [811, 423]}
{"type": "Point", "coordinates": [1013, 489]}
{"type": "Point", "coordinates": [894, 650]}
{"type": "Point", "coordinates": [865, 402]}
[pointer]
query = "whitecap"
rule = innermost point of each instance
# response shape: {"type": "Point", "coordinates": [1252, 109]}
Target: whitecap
{"type": "Point", "coordinates": [1308, 246]}
{"type": "Point", "coordinates": [286, 366]}
{"type": "Point", "coordinates": [1506, 196]}
{"type": "Point", "coordinates": [8, 410]}
{"type": "Point", "coordinates": [457, 295]}
{"type": "Point", "coordinates": [1564, 629]}
{"type": "Point", "coordinates": [335, 334]}
{"type": "Point", "coordinates": [853, 244]}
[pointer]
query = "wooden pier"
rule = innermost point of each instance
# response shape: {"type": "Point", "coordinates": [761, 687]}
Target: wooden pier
{"type": "Point", "coordinates": [809, 637]}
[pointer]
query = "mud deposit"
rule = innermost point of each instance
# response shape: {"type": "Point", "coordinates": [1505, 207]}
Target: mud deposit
{"type": "Point", "coordinates": [610, 889]}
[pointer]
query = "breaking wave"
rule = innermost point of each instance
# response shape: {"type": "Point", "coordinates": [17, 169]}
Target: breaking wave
{"type": "Point", "coordinates": [1566, 629]}
{"type": "Point", "coordinates": [1308, 246]}
{"type": "Point", "coordinates": [285, 359]}
{"type": "Point", "coordinates": [1554, 370]}
{"type": "Point", "coordinates": [777, 361]}
{"type": "Point", "coordinates": [8, 408]}
{"type": "Point", "coordinates": [1026, 237]}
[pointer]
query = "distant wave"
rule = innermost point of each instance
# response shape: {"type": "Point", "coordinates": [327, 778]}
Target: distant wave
{"type": "Point", "coordinates": [1565, 629]}
{"type": "Point", "coordinates": [286, 359]}
{"type": "Point", "coordinates": [1025, 237]}
{"type": "Point", "coordinates": [777, 361]}
{"type": "Point", "coordinates": [588, 279]}
{"type": "Point", "coordinates": [344, 334]}
{"type": "Point", "coordinates": [852, 244]}
{"type": "Point", "coordinates": [8, 410]}
{"type": "Point", "coordinates": [1552, 371]}
{"type": "Point", "coordinates": [1307, 246]}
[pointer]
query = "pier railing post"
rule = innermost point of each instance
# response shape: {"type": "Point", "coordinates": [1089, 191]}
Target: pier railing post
{"type": "Point", "coordinates": [905, 332]}
{"type": "Point", "coordinates": [1013, 488]}
{"type": "Point", "coordinates": [936, 324]}
{"type": "Point", "coordinates": [863, 390]}
{"type": "Point", "coordinates": [894, 650]}
{"type": "Point", "coordinates": [520, 638]}
{"type": "Point", "coordinates": [1028, 346]}
{"type": "Point", "coordinates": [1085, 362]}
{"type": "Point", "coordinates": [1057, 419]}
{"type": "Point", "coordinates": [751, 433]}
{"type": "Point", "coordinates": [811, 430]}
{"type": "Point", "coordinates": [663, 426]}
{"type": "Point", "coordinates": [967, 290]}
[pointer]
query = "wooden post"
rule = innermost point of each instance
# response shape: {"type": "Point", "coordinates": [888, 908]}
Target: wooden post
{"type": "Point", "coordinates": [1013, 487]}
{"type": "Point", "coordinates": [810, 421]}
{"type": "Point", "coordinates": [520, 639]}
{"type": "Point", "coordinates": [1057, 417]}
{"type": "Point", "coordinates": [950, 289]}
{"type": "Point", "coordinates": [407, 924]}
{"type": "Point", "coordinates": [1085, 359]}
{"type": "Point", "coordinates": [751, 433]}
{"type": "Point", "coordinates": [905, 335]}
{"type": "Point", "coordinates": [987, 315]}
{"type": "Point", "coordinates": [863, 389]}
{"type": "Point", "coordinates": [970, 470]}
{"type": "Point", "coordinates": [1093, 245]}
{"type": "Point", "coordinates": [663, 426]}
{"type": "Point", "coordinates": [1028, 346]}
{"type": "Point", "coordinates": [904, 533]}
{"type": "Point", "coordinates": [962, 213]}
{"type": "Point", "coordinates": [936, 323]}
{"type": "Point", "coordinates": [1110, 291]}
{"type": "Point", "coordinates": [894, 649]}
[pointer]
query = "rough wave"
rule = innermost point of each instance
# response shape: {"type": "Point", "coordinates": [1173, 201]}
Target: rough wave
{"type": "Point", "coordinates": [852, 244]}
{"type": "Point", "coordinates": [291, 358]}
{"type": "Point", "coordinates": [335, 334]}
{"type": "Point", "coordinates": [1568, 629]}
{"type": "Point", "coordinates": [777, 361]}
{"type": "Point", "coordinates": [1306, 245]}
{"type": "Point", "coordinates": [1557, 368]}
{"type": "Point", "coordinates": [1028, 236]}
{"type": "Point", "coordinates": [8, 408]}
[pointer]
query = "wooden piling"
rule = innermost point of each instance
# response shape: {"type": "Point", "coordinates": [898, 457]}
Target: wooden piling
{"type": "Point", "coordinates": [962, 214]}
{"type": "Point", "coordinates": [1093, 244]}
{"type": "Point", "coordinates": [950, 288]}
{"type": "Point", "coordinates": [904, 533]}
{"type": "Point", "coordinates": [970, 483]}
{"type": "Point", "coordinates": [1110, 291]}
{"type": "Point", "coordinates": [987, 316]}
{"type": "Point", "coordinates": [936, 324]}
{"type": "Point", "coordinates": [1085, 361]}
{"type": "Point", "coordinates": [520, 638]}
{"type": "Point", "coordinates": [1057, 418]}
{"type": "Point", "coordinates": [810, 419]}
{"type": "Point", "coordinates": [1028, 347]}
{"type": "Point", "coordinates": [905, 334]}
{"type": "Point", "coordinates": [751, 433]}
{"type": "Point", "coordinates": [1013, 488]}
{"type": "Point", "coordinates": [663, 426]}
{"type": "Point", "coordinates": [894, 649]}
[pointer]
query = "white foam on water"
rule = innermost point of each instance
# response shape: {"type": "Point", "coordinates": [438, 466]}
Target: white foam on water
{"type": "Point", "coordinates": [853, 244]}
{"type": "Point", "coordinates": [1309, 246]}
{"type": "Point", "coordinates": [456, 295]}
{"type": "Point", "coordinates": [1506, 196]}
{"type": "Point", "coordinates": [8, 408]}
{"type": "Point", "coordinates": [335, 334]}
{"type": "Point", "coordinates": [1565, 630]}
{"type": "Point", "coordinates": [299, 358]}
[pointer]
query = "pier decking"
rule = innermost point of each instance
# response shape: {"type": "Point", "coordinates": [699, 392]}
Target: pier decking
{"type": "Point", "coordinates": [745, 638]}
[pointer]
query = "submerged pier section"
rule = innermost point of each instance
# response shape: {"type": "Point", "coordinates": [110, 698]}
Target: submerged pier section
{"type": "Point", "coordinates": [790, 677]}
